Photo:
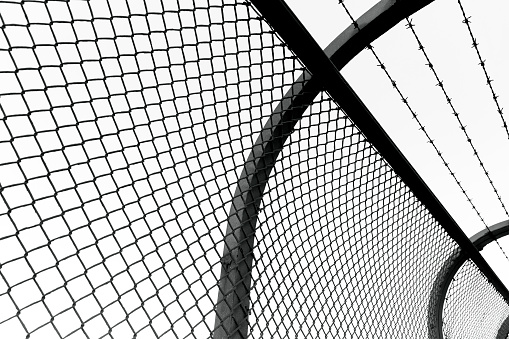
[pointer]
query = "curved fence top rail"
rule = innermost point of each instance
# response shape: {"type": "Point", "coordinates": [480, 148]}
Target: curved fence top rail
{"type": "Point", "coordinates": [322, 67]}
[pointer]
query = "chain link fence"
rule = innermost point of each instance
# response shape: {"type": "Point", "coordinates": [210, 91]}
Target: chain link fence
{"type": "Point", "coordinates": [125, 128]}
{"type": "Point", "coordinates": [343, 247]}
{"type": "Point", "coordinates": [470, 293]}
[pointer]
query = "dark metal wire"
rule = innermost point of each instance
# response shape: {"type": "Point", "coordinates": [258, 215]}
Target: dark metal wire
{"type": "Point", "coordinates": [404, 99]}
{"type": "Point", "coordinates": [430, 140]}
{"type": "Point", "coordinates": [125, 153]}
{"type": "Point", "coordinates": [124, 130]}
{"type": "Point", "coordinates": [460, 295]}
{"type": "Point", "coordinates": [466, 293]}
{"type": "Point", "coordinates": [482, 63]}
{"type": "Point", "coordinates": [440, 84]}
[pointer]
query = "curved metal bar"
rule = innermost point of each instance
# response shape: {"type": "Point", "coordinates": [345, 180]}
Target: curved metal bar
{"type": "Point", "coordinates": [232, 307]}
{"type": "Point", "coordinates": [503, 332]}
{"type": "Point", "coordinates": [437, 297]}
{"type": "Point", "coordinates": [484, 237]}
{"type": "Point", "coordinates": [370, 26]}
{"type": "Point", "coordinates": [449, 270]}
{"type": "Point", "coordinates": [236, 264]}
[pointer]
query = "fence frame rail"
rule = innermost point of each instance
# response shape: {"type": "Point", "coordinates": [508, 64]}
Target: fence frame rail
{"type": "Point", "coordinates": [232, 307]}
{"type": "Point", "coordinates": [447, 273]}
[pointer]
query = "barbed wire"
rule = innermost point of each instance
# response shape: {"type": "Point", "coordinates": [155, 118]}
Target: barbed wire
{"type": "Point", "coordinates": [482, 63]}
{"type": "Point", "coordinates": [440, 84]}
{"type": "Point", "coordinates": [424, 130]}
{"type": "Point", "coordinates": [463, 127]}
{"type": "Point", "coordinates": [415, 117]}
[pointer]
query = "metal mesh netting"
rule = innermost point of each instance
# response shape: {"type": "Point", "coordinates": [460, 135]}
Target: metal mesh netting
{"type": "Point", "coordinates": [124, 131]}
{"type": "Point", "coordinates": [344, 248]}
{"type": "Point", "coordinates": [469, 294]}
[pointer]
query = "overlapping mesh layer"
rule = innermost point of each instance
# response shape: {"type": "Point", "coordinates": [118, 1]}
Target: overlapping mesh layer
{"type": "Point", "coordinates": [470, 295]}
{"type": "Point", "coordinates": [124, 130]}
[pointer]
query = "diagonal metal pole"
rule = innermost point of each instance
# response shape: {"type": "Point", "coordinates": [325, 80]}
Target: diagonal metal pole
{"type": "Point", "coordinates": [232, 307]}
{"type": "Point", "coordinates": [305, 47]}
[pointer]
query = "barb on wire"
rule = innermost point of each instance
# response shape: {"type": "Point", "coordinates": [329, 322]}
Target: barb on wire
{"type": "Point", "coordinates": [489, 80]}
{"type": "Point", "coordinates": [482, 63]}
{"type": "Point", "coordinates": [440, 84]}
{"type": "Point", "coordinates": [421, 126]}
{"type": "Point", "coordinates": [463, 127]}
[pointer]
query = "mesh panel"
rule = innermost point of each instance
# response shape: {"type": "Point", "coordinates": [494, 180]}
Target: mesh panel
{"type": "Point", "coordinates": [469, 294]}
{"type": "Point", "coordinates": [124, 131]}
{"type": "Point", "coordinates": [344, 248]}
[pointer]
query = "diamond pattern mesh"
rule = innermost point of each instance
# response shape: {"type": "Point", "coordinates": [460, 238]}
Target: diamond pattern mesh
{"type": "Point", "coordinates": [470, 294]}
{"type": "Point", "coordinates": [124, 129]}
{"type": "Point", "coordinates": [343, 248]}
